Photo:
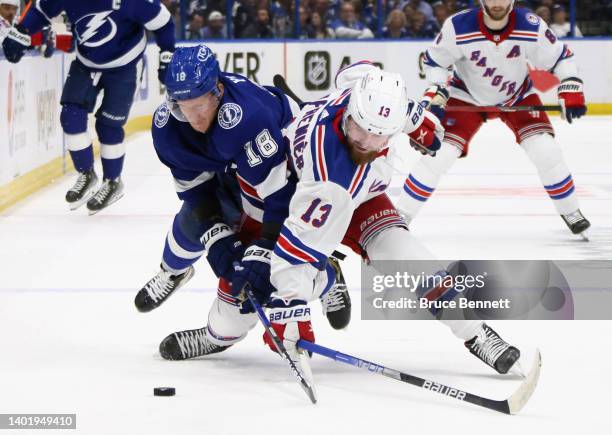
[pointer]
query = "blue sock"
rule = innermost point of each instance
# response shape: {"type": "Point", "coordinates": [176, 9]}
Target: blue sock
{"type": "Point", "coordinates": [112, 167]}
{"type": "Point", "coordinates": [83, 160]}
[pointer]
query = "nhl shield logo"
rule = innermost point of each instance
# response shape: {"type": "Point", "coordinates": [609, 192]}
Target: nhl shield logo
{"type": "Point", "coordinates": [316, 70]}
{"type": "Point", "coordinates": [229, 115]}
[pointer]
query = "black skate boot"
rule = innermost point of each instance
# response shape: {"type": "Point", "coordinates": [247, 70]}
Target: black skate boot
{"type": "Point", "coordinates": [337, 302]}
{"type": "Point", "coordinates": [491, 349]}
{"type": "Point", "coordinates": [110, 191]}
{"type": "Point", "coordinates": [188, 344]}
{"type": "Point", "coordinates": [83, 189]}
{"type": "Point", "coordinates": [577, 223]}
{"type": "Point", "coordinates": [159, 288]}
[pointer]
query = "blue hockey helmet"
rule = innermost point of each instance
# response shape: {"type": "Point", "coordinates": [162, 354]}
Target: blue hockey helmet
{"type": "Point", "coordinates": [193, 71]}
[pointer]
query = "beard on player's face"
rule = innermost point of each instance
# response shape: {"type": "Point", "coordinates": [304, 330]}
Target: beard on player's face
{"type": "Point", "coordinates": [358, 156]}
{"type": "Point", "coordinates": [363, 146]}
{"type": "Point", "coordinates": [496, 11]}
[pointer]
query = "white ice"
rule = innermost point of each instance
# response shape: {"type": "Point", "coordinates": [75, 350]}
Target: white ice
{"type": "Point", "coordinates": [71, 340]}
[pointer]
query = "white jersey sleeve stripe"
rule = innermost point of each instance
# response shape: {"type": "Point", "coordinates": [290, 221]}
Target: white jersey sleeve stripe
{"type": "Point", "coordinates": [160, 20]}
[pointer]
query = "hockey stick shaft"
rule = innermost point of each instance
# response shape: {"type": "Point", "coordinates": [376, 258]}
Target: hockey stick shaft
{"type": "Point", "coordinates": [500, 109]}
{"type": "Point", "coordinates": [496, 405]}
{"type": "Point", "coordinates": [280, 347]}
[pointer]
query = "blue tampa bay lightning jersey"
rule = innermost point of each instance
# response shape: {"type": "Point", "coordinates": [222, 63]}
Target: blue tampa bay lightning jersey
{"type": "Point", "coordinates": [109, 33]}
{"type": "Point", "coordinates": [245, 137]}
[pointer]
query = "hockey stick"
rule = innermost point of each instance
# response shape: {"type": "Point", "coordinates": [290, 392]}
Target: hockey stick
{"type": "Point", "coordinates": [280, 82]}
{"type": "Point", "coordinates": [500, 109]}
{"type": "Point", "coordinates": [512, 405]}
{"type": "Point", "coordinates": [280, 347]}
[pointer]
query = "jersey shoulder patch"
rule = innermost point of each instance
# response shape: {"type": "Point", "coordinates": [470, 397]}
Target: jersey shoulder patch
{"type": "Point", "coordinates": [229, 115]}
{"type": "Point", "coordinates": [161, 116]}
{"type": "Point", "coordinates": [526, 20]}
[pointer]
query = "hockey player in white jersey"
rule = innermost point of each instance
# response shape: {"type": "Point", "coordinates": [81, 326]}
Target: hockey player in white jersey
{"type": "Point", "coordinates": [489, 49]}
{"type": "Point", "coordinates": [8, 10]}
{"type": "Point", "coordinates": [343, 148]}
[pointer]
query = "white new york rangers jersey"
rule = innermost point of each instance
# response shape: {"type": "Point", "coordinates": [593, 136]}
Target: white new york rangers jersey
{"type": "Point", "coordinates": [331, 186]}
{"type": "Point", "coordinates": [492, 68]}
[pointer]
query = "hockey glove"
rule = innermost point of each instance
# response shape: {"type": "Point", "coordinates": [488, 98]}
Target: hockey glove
{"type": "Point", "coordinates": [435, 99]}
{"type": "Point", "coordinates": [15, 44]}
{"type": "Point", "coordinates": [571, 99]}
{"type": "Point", "coordinates": [165, 57]}
{"type": "Point", "coordinates": [254, 269]}
{"type": "Point", "coordinates": [427, 137]}
{"type": "Point", "coordinates": [223, 249]}
{"type": "Point", "coordinates": [290, 324]}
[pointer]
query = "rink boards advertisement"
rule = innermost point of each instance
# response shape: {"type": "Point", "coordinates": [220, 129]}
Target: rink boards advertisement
{"type": "Point", "coordinates": [31, 90]}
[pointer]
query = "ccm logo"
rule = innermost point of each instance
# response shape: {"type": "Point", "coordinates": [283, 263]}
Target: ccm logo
{"type": "Point", "coordinates": [288, 314]}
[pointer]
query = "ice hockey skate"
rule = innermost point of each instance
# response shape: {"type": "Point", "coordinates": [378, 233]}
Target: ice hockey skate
{"type": "Point", "coordinates": [160, 288]}
{"type": "Point", "coordinates": [336, 302]}
{"type": "Point", "coordinates": [491, 349]}
{"type": "Point", "coordinates": [83, 189]}
{"type": "Point", "coordinates": [110, 192]}
{"type": "Point", "coordinates": [188, 344]}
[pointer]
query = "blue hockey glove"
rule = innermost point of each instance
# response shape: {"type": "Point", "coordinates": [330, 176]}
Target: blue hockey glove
{"type": "Point", "coordinates": [16, 43]}
{"type": "Point", "coordinates": [223, 249]}
{"type": "Point", "coordinates": [254, 269]}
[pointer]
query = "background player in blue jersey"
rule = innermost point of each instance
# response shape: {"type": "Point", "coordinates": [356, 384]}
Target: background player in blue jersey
{"type": "Point", "coordinates": [110, 43]}
{"type": "Point", "coordinates": [221, 136]}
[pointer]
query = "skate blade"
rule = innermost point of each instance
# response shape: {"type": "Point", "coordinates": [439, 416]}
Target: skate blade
{"type": "Point", "coordinates": [117, 198]}
{"type": "Point", "coordinates": [517, 369]}
{"type": "Point", "coordinates": [72, 206]}
{"type": "Point", "coordinates": [584, 236]}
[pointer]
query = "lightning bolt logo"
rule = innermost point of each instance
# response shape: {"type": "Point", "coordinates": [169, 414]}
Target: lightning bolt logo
{"type": "Point", "coordinates": [93, 26]}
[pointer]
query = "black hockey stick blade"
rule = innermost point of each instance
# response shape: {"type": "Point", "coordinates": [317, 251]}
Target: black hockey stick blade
{"type": "Point", "coordinates": [280, 347]}
{"type": "Point", "coordinates": [280, 82]}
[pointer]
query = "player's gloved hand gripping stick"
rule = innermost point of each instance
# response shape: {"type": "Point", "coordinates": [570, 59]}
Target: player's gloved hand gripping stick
{"type": "Point", "coordinates": [280, 347]}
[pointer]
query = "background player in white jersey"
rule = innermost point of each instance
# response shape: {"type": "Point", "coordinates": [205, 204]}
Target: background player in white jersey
{"type": "Point", "coordinates": [8, 10]}
{"type": "Point", "coordinates": [489, 49]}
{"type": "Point", "coordinates": [343, 148]}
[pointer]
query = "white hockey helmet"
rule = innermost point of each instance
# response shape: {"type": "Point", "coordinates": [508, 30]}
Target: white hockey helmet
{"type": "Point", "coordinates": [379, 103]}
{"type": "Point", "coordinates": [10, 3]}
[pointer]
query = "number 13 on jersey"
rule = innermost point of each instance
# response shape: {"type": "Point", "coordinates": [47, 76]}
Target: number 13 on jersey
{"type": "Point", "coordinates": [321, 213]}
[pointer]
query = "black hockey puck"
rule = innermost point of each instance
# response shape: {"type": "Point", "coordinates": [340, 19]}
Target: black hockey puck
{"type": "Point", "coordinates": [164, 391]}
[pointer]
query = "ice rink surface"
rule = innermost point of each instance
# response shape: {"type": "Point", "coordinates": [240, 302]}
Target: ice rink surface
{"type": "Point", "coordinates": [72, 341]}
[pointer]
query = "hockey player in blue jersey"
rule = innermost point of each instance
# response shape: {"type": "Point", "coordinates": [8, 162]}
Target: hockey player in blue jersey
{"type": "Point", "coordinates": [110, 43]}
{"type": "Point", "coordinates": [219, 130]}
